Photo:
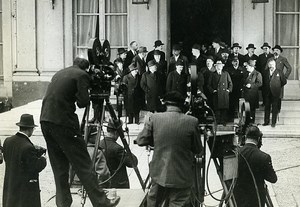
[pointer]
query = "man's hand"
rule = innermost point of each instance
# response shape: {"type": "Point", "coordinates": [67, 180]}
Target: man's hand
{"type": "Point", "coordinates": [248, 85]}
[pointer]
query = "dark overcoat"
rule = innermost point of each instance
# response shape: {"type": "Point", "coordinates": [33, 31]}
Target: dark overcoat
{"type": "Point", "coordinates": [172, 63]}
{"type": "Point", "coordinates": [273, 84]}
{"type": "Point", "coordinates": [152, 85]}
{"type": "Point", "coordinates": [150, 56]}
{"type": "Point", "coordinates": [261, 166]}
{"type": "Point", "coordinates": [251, 94]}
{"type": "Point", "coordinates": [140, 64]}
{"type": "Point", "coordinates": [175, 137]}
{"type": "Point", "coordinates": [134, 100]}
{"type": "Point", "coordinates": [239, 56]}
{"type": "Point", "coordinates": [177, 82]}
{"type": "Point", "coordinates": [220, 86]}
{"type": "Point", "coordinates": [262, 61]}
{"type": "Point", "coordinates": [115, 154]}
{"type": "Point", "coordinates": [128, 60]}
{"type": "Point", "coordinates": [21, 181]}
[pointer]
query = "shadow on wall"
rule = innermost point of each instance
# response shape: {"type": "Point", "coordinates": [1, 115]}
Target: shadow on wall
{"type": "Point", "coordinates": [25, 92]}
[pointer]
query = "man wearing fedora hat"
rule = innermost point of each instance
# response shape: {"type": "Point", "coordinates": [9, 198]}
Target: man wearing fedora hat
{"type": "Point", "coordinates": [236, 53]}
{"type": "Point", "coordinates": [23, 161]}
{"type": "Point", "coordinates": [176, 138]}
{"type": "Point", "coordinates": [216, 48]}
{"type": "Point", "coordinates": [177, 56]}
{"type": "Point", "coordinates": [158, 46]}
{"type": "Point", "coordinates": [131, 53]}
{"type": "Point", "coordinates": [139, 60]}
{"type": "Point", "coordinates": [250, 54]}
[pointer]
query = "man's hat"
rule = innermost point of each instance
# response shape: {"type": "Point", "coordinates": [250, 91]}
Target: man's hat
{"type": "Point", "coordinates": [277, 47]}
{"type": "Point", "coordinates": [142, 49]}
{"type": "Point", "coordinates": [234, 59]}
{"type": "Point", "coordinates": [196, 46]}
{"type": "Point", "coordinates": [121, 51]}
{"type": "Point", "coordinates": [177, 47]}
{"type": "Point", "coordinates": [156, 52]}
{"type": "Point", "coordinates": [174, 98]}
{"type": "Point", "coordinates": [26, 120]}
{"type": "Point", "coordinates": [225, 50]}
{"type": "Point", "coordinates": [236, 45]}
{"type": "Point", "coordinates": [250, 46]}
{"type": "Point", "coordinates": [265, 45]}
{"type": "Point", "coordinates": [218, 59]}
{"type": "Point", "coordinates": [251, 62]}
{"type": "Point", "coordinates": [179, 62]}
{"type": "Point", "coordinates": [151, 63]}
{"type": "Point", "coordinates": [211, 58]}
{"type": "Point", "coordinates": [132, 67]}
{"type": "Point", "coordinates": [158, 43]}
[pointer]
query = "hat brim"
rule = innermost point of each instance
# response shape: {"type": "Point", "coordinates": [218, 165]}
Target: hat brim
{"type": "Point", "coordinates": [24, 125]}
{"type": "Point", "coordinates": [277, 48]}
{"type": "Point", "coordinates": [236, 46]}
{"type": "Point", "coordinates": [250, 47]}
{"type": "Point", "coordinates": [265, 46]}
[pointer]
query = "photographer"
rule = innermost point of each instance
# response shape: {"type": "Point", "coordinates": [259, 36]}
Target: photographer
{"type": "Point", "coordinates": [60, 127]}
{"type": "Point", "coordinates": [254, 168]}
{"type": "Point", "coordinates": [23, 164]}
{"type": "Point", "coordinates": [175, 137]}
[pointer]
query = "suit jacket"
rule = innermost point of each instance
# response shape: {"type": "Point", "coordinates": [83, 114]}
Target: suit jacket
{"type": "Point", "coordinates": [67, 86]}
{"type": "Point", "coordinates": [115, 154]}
{"type": "Point", "coordinates": [129, 58]}
{"type": "Point", "coordinates": [177, 82]}
{"type": "Point", "coordinates": [262, 61]}
{"type": "Point", "coordinates": [176, 138]}
{"type": "Point", "coordinates": [140, 64]}
{"type": "Point", "coordinates": [150, 56]}
{"type": "Point", "coordinates": [246, 58]}
{"type": "Point", "coordinates": [21, 180]}
{"type": "Point", "coordinates": [236, 76]}
{"type": "Point", "coordinates": [281, 63]}
{"type": "Point", "coordinates": [273, 84]}
{"type": "Point", "coordinates": [220, 86]}
{"type": "Point", "coordinates": [172, 63]}
{"type": "Point", "coordinates": [152, 84]}
{"type": "Point", "coordinates": [200, 62]}
{"type": "Point", "coordinates": [261, 166]}
{"type": "Point", "coordinates": [251, 94]}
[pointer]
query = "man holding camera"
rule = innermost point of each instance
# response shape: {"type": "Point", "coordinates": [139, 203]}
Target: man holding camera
{"type": "Point", "coordinates": [254, 168]}
{"type": "Point", "coordinates": [60, 127]}
{"type": "Point", "coordinates": [175, 137]}
{"type": "Point", "coordinates": [23, 161]}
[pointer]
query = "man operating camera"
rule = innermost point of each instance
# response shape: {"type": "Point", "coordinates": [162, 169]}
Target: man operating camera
{"type": "Point", "coordinates": [60, 127]}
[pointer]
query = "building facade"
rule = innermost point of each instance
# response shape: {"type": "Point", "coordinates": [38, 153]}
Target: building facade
{"type": "Point", "coordinates": [40, 37]}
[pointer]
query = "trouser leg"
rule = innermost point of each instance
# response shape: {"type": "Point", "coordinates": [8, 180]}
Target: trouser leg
{"type": "Point", "coordinates": [130, 118]}
{"type": "Point", "coordinates": [156, 195]}
{"type": "Point", "coordinates": [275, 109]}
{"type": "Point", "coordinates": [267, 109]}
{"type": "Point", "coordinates": [137, 117]}
{"type": "Point", "coordinates": [179, 197]}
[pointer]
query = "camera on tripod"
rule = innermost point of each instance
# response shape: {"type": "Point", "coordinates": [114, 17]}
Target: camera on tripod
{"type": "Point", "coordinates": [101, 69]}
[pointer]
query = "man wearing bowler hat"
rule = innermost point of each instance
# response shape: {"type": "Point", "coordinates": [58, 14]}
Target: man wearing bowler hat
{"type": "Point", "coordinates": [250, 54]}
{"type": "Point", "coordinates": [158, 46]}
{"type": "Point", "coordinates": [23, 161]}
{"type": "Point", "coordinates": [236, 53]}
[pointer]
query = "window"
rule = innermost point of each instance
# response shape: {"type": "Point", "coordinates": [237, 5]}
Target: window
{"type": "Point", "coordinates": [105, 19]}
{"type": "Point", "coordinates": [287, 31]}
{"type": "Point", "coordinates": [1, 43]}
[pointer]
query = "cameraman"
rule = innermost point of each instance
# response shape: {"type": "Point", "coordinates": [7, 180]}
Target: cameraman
{"type": "Point", "coordinates": [60, 127]}
{"type": "Point", "coordinates": [175, 137]}
{"type": "Point", "coordinates": [253, 161]}
{"type": "Point", "coordinates": [23, 164]}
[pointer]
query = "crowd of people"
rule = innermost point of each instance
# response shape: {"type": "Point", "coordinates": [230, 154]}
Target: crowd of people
{"type": "Point", "coordinates": [224, 76]}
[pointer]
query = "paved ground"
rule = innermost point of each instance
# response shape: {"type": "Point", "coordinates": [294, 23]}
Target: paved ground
{"type": "Point", "coordinates": [284, 151]}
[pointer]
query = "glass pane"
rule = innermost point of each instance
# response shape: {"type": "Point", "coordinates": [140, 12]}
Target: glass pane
{"type": "Point", "coordinates": [1, 40]}
{"type": "Point", "coordinates": [287, 30]}
{"type": "Point", "coordinates": [87, 6]}
{"type": "Point", "coordinates": [116, 37]}
{"type": "Point", "coordinates": [1, 61]}
{"type": "Point", "coordinates": [0, 5]}
{"type": "Point", "coordinates": [82, 53]}
{"type": "Point", "coordinates": [287, 5]}
{"type": "Point", "coordinates": [116, 6]}
{"type": "Point", "coordinates": [86, 29]}
{"type": "Point", "coordinates": [292, 56]}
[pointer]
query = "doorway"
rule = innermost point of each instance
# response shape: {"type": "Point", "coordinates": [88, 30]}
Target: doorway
{"type": "Point", "coordinates": [200, 21]}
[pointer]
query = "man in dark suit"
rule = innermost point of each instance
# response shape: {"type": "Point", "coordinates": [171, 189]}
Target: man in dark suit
{"type": "Point", "coordinates": [131, 53]}
{"type": "Point", "coordinates": [236, 54]}
{"type": "Point", "coordinates": [139, 60]}
{"type": "Point", "coordinates": [250, 54]}
{"type": "Point", "coordinates": [158, 46]}
{"type": "Point", "coordinates": [23, 162]}
{"type": "Point", "coordinates": [216, 50]}
{"type": "Point", "coordinates": [115, 154]}
{"type": "Point", "coordinates": [252, 82]}
{"type": "Point", "coordinates": [255, 167]}
{"type": "Point", "coordinates": [274, 80]}
{"type": "Point", "coordinates": [60, 127]}
{"type": "Point", "coordinates": [177, 56]}
{"type": "Point", "coordinates": [176, 138]}
{"type": "Point", "coordinates": [152, 85]}
{"type": "Point", "coordinates": [177, 80]}
{"type": "Point", "coordinates": [161, 67]}
{"type": "Point", "coordinates": [198, 59]}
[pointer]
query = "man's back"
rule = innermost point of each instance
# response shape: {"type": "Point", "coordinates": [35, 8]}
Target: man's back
{"type": "Point", "coordinates": [67, 86]}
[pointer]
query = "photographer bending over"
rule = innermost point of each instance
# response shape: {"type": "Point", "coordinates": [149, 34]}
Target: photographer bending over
{"type": "Point", "coordinates": [175, 137]}
{"type": "Point", "coordinates": [60, 127]}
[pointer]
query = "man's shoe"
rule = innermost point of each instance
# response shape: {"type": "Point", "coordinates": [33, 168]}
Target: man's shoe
{"type": "Point", "coordinates": [113, 202]}
{"type": "Point", "coordinates": [273, 125]}
{"type": "Point", "coordinates": [265, 124]}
